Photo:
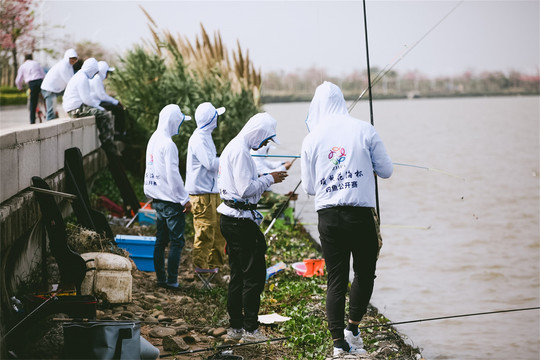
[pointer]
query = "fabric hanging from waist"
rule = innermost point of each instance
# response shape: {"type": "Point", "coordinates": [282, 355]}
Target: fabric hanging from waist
{"type": "Point", "coordinates": [239, 205]}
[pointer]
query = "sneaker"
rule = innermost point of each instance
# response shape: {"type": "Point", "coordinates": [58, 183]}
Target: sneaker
{"type": "Point", "coordinates": [356, 341]}
{"type": "Point", "coordinates": [353, 350]}
{"type": "Point", "coordinates": [173, 286]}
{"type": "Point", "coordinates": [253, 336]}
{"type": "Point", "coordinates": [235, 334]}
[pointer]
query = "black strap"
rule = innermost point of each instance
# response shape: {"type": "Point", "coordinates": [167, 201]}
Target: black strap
{"type": "Point", "coordinates": [124, 333]}
{"type": "Point", "coordinates": [235, 204]}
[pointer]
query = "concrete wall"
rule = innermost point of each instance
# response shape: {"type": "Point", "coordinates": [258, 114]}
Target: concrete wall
{"type": "Point", "coordinates": [38, 150]}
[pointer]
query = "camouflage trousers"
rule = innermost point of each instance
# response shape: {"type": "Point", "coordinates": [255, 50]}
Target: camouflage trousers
{"type": "Point", "coordinates": [104, 121]}
{"type": "Point", "coordinates": [273, 201]}
{"type": "Point", "coordinates": [378, 229]}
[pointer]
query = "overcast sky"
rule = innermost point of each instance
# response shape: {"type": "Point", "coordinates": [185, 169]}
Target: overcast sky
{"type": "Point", "coordinates": [290, 35]}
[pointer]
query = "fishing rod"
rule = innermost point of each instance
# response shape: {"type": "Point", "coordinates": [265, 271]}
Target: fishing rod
{"type": "Point", "coordinates": [387, 68]}
{"type": "Point", "coordinates": [276, 156]}
{"type": "Point", "coordinates": [395, 163]}
{"type": "Point", "coordinates": [228, 346]}
{"type": "Point", "coordinates": [136, 214]}
{"type": "Point", "coordinates": [371, 108]}
{"type": "Point", "coordinates": [448, 317]}
{"type": "Point", "coordinates": [281, 209]}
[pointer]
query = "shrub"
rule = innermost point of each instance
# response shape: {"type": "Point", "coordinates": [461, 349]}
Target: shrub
{"type": "Point", "coordinates": [173, 71]}
{"type": "Point", "coordinates": [13, 99]}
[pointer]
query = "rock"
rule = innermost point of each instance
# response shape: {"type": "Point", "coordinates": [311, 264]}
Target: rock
{"type": "Point", "coordinates": [151, 319]}
{"type": "Point", "coordinates": [151, 298]}
{"type": "Point", "coordinates": [218, 332]}
{"type": "Point", "coordinates": [179, 322]}
{"type": "Point", "coordinates": [206, 330]}
{"type": "Point", "coordinates": [182, 329]}
{"type": "Point", "coordinates": [161, 332]}
{"type": "Point", "coordinates": [127, 314]}
{"type": "Point", "coordinates": [174, 344]}
{"type": "Point", "coordinates": [164, 318]}
{"type": "Point", "coordinates": [184, 300]}
{"type": "Point", "coordinates": [134, 308]}
{"type": "Point", "coordinates": [190, 339]}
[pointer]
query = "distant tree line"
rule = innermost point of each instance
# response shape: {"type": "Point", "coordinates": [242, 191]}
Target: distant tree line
{"type": "Point", "coordinates": [300, 85]}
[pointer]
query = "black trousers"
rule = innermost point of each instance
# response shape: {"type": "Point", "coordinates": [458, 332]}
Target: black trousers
{"type": "Point", "coordinates": [246, 247]}
{"type": "Point", "coordinates": [35, 90]}
{"type": "Point", "coordinates": [347, 230]}
{"type": "Point", "coordinates": [119, 116]}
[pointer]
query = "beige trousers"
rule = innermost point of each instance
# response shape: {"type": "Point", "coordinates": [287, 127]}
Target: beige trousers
{"type": "Point", "coordinates": [208, 244]}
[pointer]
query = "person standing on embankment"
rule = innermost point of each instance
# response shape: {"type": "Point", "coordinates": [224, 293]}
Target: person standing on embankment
{"type": "Point", "coordinates": [339, 157]}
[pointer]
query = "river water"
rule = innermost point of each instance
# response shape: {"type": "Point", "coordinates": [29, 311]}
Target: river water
{"type": "Point", "coordinates": [462, 237]}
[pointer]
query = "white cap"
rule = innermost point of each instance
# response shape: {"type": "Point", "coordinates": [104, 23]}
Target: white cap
{"type": "Point", "coordinates": [206, 112]}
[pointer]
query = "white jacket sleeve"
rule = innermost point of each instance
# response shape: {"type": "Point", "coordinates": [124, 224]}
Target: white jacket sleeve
{"type": "Point", "coordinates": [66, 73]}
{"type": "Point", "coordinates": [382, 164]}
{"type": "Point", "coordinates": [174, 179]}
{"type": "Point", "coordinates": [99, 89]}
{"type": "Point", "coordinates": [308, 170]}
{"type": "Point", "coordinates": [84, 92]}
{"type": "Point", "coordinates": [245, 184]}
{"type": "Point", "coordinates": [208, 160]}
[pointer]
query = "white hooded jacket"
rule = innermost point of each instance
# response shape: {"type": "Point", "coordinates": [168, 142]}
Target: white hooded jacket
{"type": "Point", "coordinates": [340, 154]}
{"type": "Point", "coordinates": [97, 89]}
{"type": "Point", "coordinates": [162, 179]}
{"type": "Point", "coordinates": [202, 161]}
{"type": "Point", "coordinates": [78, 89]}
{"type": "Point", "coordinates": [59, 75]}
{"type": "Point", "coordinates": [238, 178]}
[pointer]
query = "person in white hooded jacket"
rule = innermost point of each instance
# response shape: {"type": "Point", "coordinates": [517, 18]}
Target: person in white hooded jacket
{"type": "Point", "coordinates": [97, 90]}
{"type": "Point", "coordinates": [163, 184]}
{"type": "Point", "coordinates": [78, 102]}
{"type": "Point", "coordinates": [240, 188]}
{"type": "Point", "coordinates": [201, 184]}
{"type": "Point", "coordinates": [56, 80]}
{"type": "Point", "coordinates": [340, 156]}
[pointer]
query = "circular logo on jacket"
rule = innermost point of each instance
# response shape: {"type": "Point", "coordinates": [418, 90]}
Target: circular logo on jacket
{"type": "Point", "coordinates": [337, 155]}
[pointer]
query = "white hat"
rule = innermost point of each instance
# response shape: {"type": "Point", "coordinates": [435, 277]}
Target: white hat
{"type": "Point", "coordinates": [206, 112]}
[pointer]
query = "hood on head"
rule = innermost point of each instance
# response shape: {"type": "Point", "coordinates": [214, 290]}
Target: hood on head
{"type": "Point", "coordinates": [90, 67]}
{"type": "Point", "coordinates": [206, 116]}
{"type": "Point", "coordinates": [259, 128]}
{"type": "Point", "coordinates": [170, 119]}
{"type": "Point", "coordinates": [104, 68]}
{"type": "Point", "coordinates": [69, 54]}
{"type": "Point", "coordinates": [328, 100]}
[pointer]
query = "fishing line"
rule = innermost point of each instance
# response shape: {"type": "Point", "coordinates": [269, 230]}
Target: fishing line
{"type": "Point", "coordinates": [448, 317]}
{"type": "Point", "coordinates": [381, 74]}
{"type": "Point", "coordinates": [429, 169]}
{"type": "Point", "coordinates": [395, 163]}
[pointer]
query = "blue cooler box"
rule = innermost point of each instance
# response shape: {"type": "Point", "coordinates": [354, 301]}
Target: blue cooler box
{"type": "Point", "coordinates": [147, 216]}
{"type": "Point", "coordinates": [140, 248]}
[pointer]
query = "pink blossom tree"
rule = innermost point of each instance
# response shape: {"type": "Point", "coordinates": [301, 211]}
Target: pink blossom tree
{"type": "Point", "coordinates": [16, 32]}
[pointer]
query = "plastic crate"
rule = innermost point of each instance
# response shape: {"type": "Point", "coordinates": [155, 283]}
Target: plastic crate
{"type": "Point", "coordinates": [140, 248]}
{"type": "Point", "coordinates": [147, 216]}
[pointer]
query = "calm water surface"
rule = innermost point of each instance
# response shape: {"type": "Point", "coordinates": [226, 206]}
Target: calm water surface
{"type": "Point", "coordinates": [463, 237]}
